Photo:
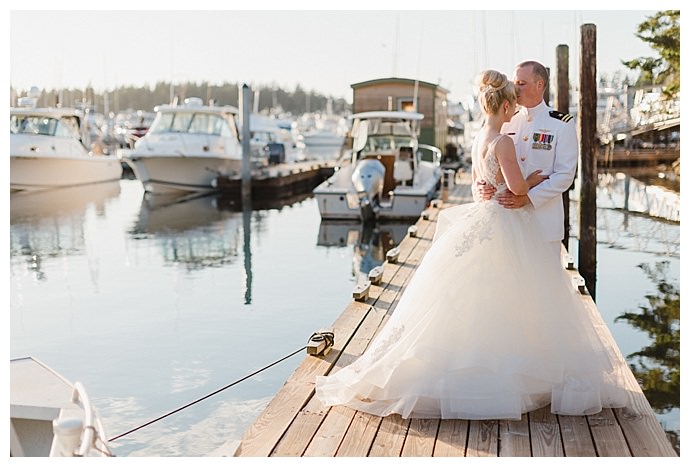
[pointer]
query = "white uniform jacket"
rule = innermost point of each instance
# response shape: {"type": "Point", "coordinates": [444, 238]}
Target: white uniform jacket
{"type": "Point", "coordinates": [546, 139]}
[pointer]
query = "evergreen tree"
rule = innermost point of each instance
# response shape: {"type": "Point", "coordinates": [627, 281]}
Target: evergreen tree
{"type": "Point", "coordinates": [662, 33]}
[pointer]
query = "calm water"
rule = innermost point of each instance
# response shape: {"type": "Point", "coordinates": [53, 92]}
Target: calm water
{"type": "Point", "coordinates": [154, 303]}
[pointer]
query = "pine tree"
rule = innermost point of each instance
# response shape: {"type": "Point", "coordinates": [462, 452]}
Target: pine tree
{"type": "Point", "coordinates": [662, 33]}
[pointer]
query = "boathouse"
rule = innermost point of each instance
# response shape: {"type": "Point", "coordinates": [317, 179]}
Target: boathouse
{"type": "Point", "coordinates": [407, 95]}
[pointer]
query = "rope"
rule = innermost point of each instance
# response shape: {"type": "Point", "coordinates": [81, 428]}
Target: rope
{"type": "Point", "coordinates": [206, 396]}
{"type": "Point", "coordinates": [328, 336]}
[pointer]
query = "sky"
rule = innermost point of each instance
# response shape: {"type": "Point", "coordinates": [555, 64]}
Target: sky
{"type": "Point", "coordinates": [325, 51]}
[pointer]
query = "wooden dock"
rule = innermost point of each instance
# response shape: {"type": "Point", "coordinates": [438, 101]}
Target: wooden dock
{"type": "Point", "coordinates": [281, 181]}
{"type": "Point", "coordinates": [637, 157]}
{"type": "Point", "coordinates": [295, 423]}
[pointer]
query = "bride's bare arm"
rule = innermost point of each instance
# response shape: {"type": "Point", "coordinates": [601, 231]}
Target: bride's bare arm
{"type": "Point", "coordinates": [505, 153]}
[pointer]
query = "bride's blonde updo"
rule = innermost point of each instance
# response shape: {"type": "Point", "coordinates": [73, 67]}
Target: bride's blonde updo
{"type": "Point", "coordinates": [494, 89]}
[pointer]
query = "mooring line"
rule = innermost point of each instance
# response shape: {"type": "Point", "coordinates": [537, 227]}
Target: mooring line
{"type": "Point", "coordinates": [207, 396]}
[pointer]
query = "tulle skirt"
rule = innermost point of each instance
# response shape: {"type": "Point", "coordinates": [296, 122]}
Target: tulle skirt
{"type": "Point", "coordinates": [489, 327]}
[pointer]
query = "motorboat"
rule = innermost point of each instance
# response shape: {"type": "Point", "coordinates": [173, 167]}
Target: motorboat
{"type": "Point", "coordinates": [187, 147]}
{"type": "Point", "coordinates": [388, 174]}
{"type": "Point", "coordinates": [49, 149]}
{"type": "Point", "coordinates": [274, 141]}
{"type": "Point", "coordinates": [51, 417]}
{"type": "Point", "coordinates": [323, 135]}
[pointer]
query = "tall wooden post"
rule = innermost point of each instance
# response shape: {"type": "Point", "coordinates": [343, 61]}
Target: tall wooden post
{"type": "Point", "coordinates": [562, 104]}
{"type": "Point", "coordinates": [246, 137]}
{"type": "Point", "coordinates": [587, 133]}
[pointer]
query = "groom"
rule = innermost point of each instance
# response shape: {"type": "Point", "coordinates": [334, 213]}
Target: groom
{"type": "Point", "coordinates": [544, 139]}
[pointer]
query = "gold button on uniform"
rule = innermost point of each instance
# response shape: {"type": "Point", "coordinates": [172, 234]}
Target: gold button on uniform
{"type": "Point", "coordinates": [524, 138]}
{"type": "Point", "coordinates": [523, 158]}
{"type": "Point", "coordinates": [529, 119]}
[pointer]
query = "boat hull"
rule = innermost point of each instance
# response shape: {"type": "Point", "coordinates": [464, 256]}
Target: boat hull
{"type": "Point", "coordinates": [176, 174]}
{"type": "Point", "coordinates": [339, 203]}
{"type": "Point", "coordinates": [32, 173]}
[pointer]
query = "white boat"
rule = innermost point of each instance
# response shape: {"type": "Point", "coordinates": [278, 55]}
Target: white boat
{"type": "Point", "coordinates": [187, 148]}
{"type": "Point", "coordinates": [51, 417]}
{"type": "Point", "coordinates": [388, 175]}
{"type": "Point", "coordinates": [322, 130]}
{"type": "Point", "coordinates": [274, 141]}
{"type": "Point", "coordinates": [48, 150]}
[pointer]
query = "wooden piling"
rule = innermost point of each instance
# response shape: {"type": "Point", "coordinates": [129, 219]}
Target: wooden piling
{"type": "Point", "coordinates": [562, 104]}
{"type": "Point", "coordinates": [587, 132]}
{"type": "Point", "coordinates": [246, 149]}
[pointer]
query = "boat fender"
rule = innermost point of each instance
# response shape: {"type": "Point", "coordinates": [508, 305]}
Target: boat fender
{"type": "Point", "coordinates": [67, 435]}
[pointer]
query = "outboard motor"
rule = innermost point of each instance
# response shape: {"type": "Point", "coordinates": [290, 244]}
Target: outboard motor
{"type": "Point", "coordinates": [367, 179]}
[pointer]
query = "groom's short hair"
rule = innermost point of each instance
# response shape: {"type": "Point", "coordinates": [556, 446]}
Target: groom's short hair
{"type": "Point", "coordinates": [537, 68]}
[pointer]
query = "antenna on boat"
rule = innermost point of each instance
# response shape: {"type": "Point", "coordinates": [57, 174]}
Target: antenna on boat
{"type": "Point", "coordinates": [419, 61]}
{"type": "Point", "coordinates": [397, 45]}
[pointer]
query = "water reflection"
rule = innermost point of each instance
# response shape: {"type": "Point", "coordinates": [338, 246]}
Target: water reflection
{"type": "Point", "coordinates": [638, 192]}
{"type": "Point", "coordinates": [370, 242]}
{"type": "Point", "coordinates": [50, 223]}
{"type": "Point", "coordinates": [657, 365]}
{"type": "Point", "coordinates": [634, 215]}
{"type": "Point", "coordinates": [191, 231]}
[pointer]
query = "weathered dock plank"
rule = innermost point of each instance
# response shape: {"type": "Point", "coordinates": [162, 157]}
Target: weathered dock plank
{"type": "Point", "coordinates": [452, 438]}
{"type": "Point", "coordinates": [483, 438]}
{"type": "Point", "coordinates": [576, 437]}
{"type": "Point", "coordinates": [545, 433]}
{"type": "Point", "coordinates": [514, 438]}
{"type": "Point", "coordinates": [421, 437]}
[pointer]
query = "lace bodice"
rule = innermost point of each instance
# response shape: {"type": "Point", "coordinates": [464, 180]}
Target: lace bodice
{"type": "Point", "coordinates": [488, 165]}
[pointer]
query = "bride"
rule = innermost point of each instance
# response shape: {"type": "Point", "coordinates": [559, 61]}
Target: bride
{"type": "Point", "coordinates": [489, 326]}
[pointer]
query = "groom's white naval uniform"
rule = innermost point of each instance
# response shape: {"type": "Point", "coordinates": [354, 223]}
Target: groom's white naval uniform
{"type": "Point", "coordinates": [546, 139]}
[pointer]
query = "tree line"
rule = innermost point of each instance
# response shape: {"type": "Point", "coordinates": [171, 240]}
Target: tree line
{"type": "Point", "coordinates": [270, 99]}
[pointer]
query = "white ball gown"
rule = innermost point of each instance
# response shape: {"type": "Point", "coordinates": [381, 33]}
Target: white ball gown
{"type": "Point", "coordinates": [489, 327]}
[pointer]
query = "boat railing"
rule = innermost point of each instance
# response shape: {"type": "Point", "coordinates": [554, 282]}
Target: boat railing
{"type": "Point", "coordinates": [90, 431]}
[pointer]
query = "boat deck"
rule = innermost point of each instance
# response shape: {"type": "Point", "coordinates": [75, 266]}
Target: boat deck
{"type": "Point", "coordinates": [295, 423]}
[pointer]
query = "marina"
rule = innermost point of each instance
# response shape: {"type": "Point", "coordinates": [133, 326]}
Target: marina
{"type": "Point", "coordinates": [183, 268]}
{"type": "Point", "coordinates": [164, 299]}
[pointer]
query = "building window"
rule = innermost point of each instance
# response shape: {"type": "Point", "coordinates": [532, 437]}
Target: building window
{"type": "Point", "coordinates": [406, 104]}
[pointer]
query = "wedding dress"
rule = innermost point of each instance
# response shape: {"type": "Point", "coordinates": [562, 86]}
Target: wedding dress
{"type": "Point", "coordinates": [489, 327]}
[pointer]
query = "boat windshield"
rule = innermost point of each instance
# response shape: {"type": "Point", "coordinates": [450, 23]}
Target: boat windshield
{"type": "Point", "coordinates": [383, 127]}
{"type": "Point", "coordinates": [387, 143]}
{"type": "Point", "coordinates": [42, 125]}
{"type": "Point", "coordinates": [193, 123]}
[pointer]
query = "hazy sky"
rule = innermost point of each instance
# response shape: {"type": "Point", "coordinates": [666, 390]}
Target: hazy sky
{"type": "Point", "coordinates": [325, 50]}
